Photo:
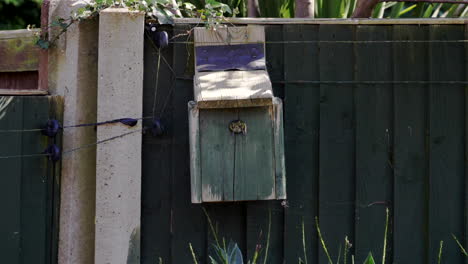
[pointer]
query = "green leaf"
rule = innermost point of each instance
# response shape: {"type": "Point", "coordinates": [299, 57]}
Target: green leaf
{"type": "Point", "coordinates": [162, 16]}
{"type": "Point", "coordinates": [369, 259]}
{"type": "Point", "coordinates": [42, 43]}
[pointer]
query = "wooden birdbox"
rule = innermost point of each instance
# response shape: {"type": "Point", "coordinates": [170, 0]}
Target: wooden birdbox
{"type": "Point", "coordinates": [235, 122]}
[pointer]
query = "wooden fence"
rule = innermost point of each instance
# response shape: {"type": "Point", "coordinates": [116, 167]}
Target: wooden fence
{"type": "Point", "coordinates": [375, 118]}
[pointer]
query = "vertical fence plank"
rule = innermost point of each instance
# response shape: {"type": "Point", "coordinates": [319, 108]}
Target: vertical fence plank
{"type": "Point", "coordinates": [11, 117]}
{"type": "Point", "coordinates": [374, 129]}
{"type": "Point", "coordinates": [229, 223]}
{"type": "Point", "coordinates": [337, 146]}
{"type": "Point", "coordinates": [410, 155]}
{"type": "Point", "coordinates": [157, 157]}
{"type": "Point", "coordinates": [56, 104]}
{"type": "Point", "coordinates": [257, 212]}
{"type": "Point", "coordinates": [301, 106]}
{"type": "Point", "coordinates": [188, 223]}
{"type": "Point", "coordinates": [466, 140]}
{"type": "Point", "coordinates": [446, 163]}
{"type": "Point", "coordinates": [34, 178]}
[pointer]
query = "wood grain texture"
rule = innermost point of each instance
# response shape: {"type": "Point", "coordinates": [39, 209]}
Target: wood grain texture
{"type": "Point", "coordinates": [18, 51]}
{"type": "Point", "coordinates": [337, 139]}
{"type": "Point", "coordinates": [210, 87]}
{"type": "Point", "coordinates": [188, 222]}
{"type": "Point", "coordinates": [18, 82]}
{"type": "Point", "coordinates": [228, 35]}
{"type": "Point", "coordinates": [11, 113]}
{"type": "Point", "coordinates": [301, 121]}
{"type": "Point", "coordinates": [195, 152]}
{"type": "Point", "coordinates": [374, 144]}
{"type": "Point", "coordinates": [466, 141]}
{"type": "Point", "coordinates": [217, 151]}
{"type": "Point", "coordinates": [446, 139]}
{"type": "Point", "coordinates": [157, 162]}
{"type": "Point", "coordinates": [254, 182]}
{"type": "Point", "coordinates": [27, 230]}
{"type": "Point", "coordinates": [410, 148]}
{"type": "Point", "coordinates": [278, 145]}
{"type": "Point", "coordinates": [257, 212]}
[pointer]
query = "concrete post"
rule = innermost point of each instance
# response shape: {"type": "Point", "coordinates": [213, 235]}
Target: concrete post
{"type": "Point", "coordinates": [72, 73]}
{"type": "Point", "coordinates": [118, 167]}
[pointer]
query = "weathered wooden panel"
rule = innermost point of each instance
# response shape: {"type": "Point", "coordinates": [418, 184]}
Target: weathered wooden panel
{"type": "Point", "coordinates": [337, 138]}
{"type": "Point", "coordinates": [446, 141]}
{"type": "Point", "coordinates": [251, 181]}
{"type": "Point", "coordinates": [229, 36]}
{"type": "Point", "coordinates": [349, 172]}
{"type": "Point", "coordinates": [410, 149]}
{"type": "Point", "coordinates": [232, 89]}
{"type": "Point", "coordinates": [29, 225]}
{"type": "Point", "coordinates": [257, 213]}
{"type": "Point", "coordinates": [302, 117]}
{"type": "Point", "coordinates": [18, 82]}
{"type": "Point", "coordinates": [188, 222]}
{"type": "Point", "coordinates": [217, 151]}
{"type": "Point", "coordinates": [374, 132]}
{"type": "Point", "coordinates": [157, 160]}
{"type": "Point", "coordinates": [18, 50]}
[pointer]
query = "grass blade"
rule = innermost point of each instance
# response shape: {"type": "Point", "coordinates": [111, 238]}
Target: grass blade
{"type": "Point", "coordinates": [322, 241]}
{"type": "Point", "coordinates": [440, 252]}
{"type": "Point", "coordinates": [268, 237]}
{"type": "Point", "coordinates": [460, 246]}
{"type": "Point", "coordinates": [304, 242]}
{"type": "Point", "coordinates": [385, 237]}
{"type": "Point", "coordinates": [193, 255]}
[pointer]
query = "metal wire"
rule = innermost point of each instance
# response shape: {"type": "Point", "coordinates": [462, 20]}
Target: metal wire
{"type": "Point", "coordinates": [462, 41]}
{"type": "Point", "coordinates": [24, 156]}
{"type": "Point", "coordinates": [66, 152]}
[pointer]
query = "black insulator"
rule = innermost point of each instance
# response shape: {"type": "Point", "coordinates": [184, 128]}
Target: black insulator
{"type": "Point", "coordinates": [51, 128]}
{"type": "Point", "coordinates": [162, 39]}
{"type": "Point", "coordinates": [158, 128]}
{"type": "Point", "coordinates": [53, 152]}
{"type": "Point", "coordinates": [159, 38]}
{"type": "Point", "coordinates": [128, 121]}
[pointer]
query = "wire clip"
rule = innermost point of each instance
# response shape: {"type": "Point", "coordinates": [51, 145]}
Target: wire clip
{"type": "Point", "coordinates": [158, 128]}
{"type": "Point", "coordinates": [51, 128]}
{"type": "Point", "coordinates": [53, 152]}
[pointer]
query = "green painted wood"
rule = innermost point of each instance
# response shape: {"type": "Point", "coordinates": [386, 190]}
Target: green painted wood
{"type": "Point", "coordinates": [257, 212]}
{"type": "Point", "coordinates": [188, 222]}
{"type": "Point", "coordinates": [278, 145]}
{"type": "Point", "coordinates": [410, 156]}
{"type": "Point", "coordinates": [56, 105]}
{"type": "Point", "coordinates": [29, 226]}
{"type": "Point", "coordinates": [258, 221]}
{"type": "Point", "coordinates": [337, 139]}
{"type": "Point", "coordinates": [34, 181]}
{"type": "Point", "coordinates": [217, 151]}
{"type": "Point", "coordinates": [301, 128]}
{"type": "Point", "coordinates": [374, 142]}
{"type": "Point", "coordinates": [229, 223]}
{"type": "Point", "coordinates": [11, 117]}
{"type": "Point", "coordinates": [157, 160]}
{"type": "Point", "coordinates": [195, 152]}
{"type": "Point", "coordinates": [446, 139]}
{"type": "Point", "coordinates": [251, 181]}
{"type": "Point", "coordinates": [466, 141]}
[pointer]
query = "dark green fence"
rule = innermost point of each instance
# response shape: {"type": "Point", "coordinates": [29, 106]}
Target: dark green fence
{"type": "Point", "coordinates": [375, 117]}
{"type": "Point", "coordinates": [29, 181]}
